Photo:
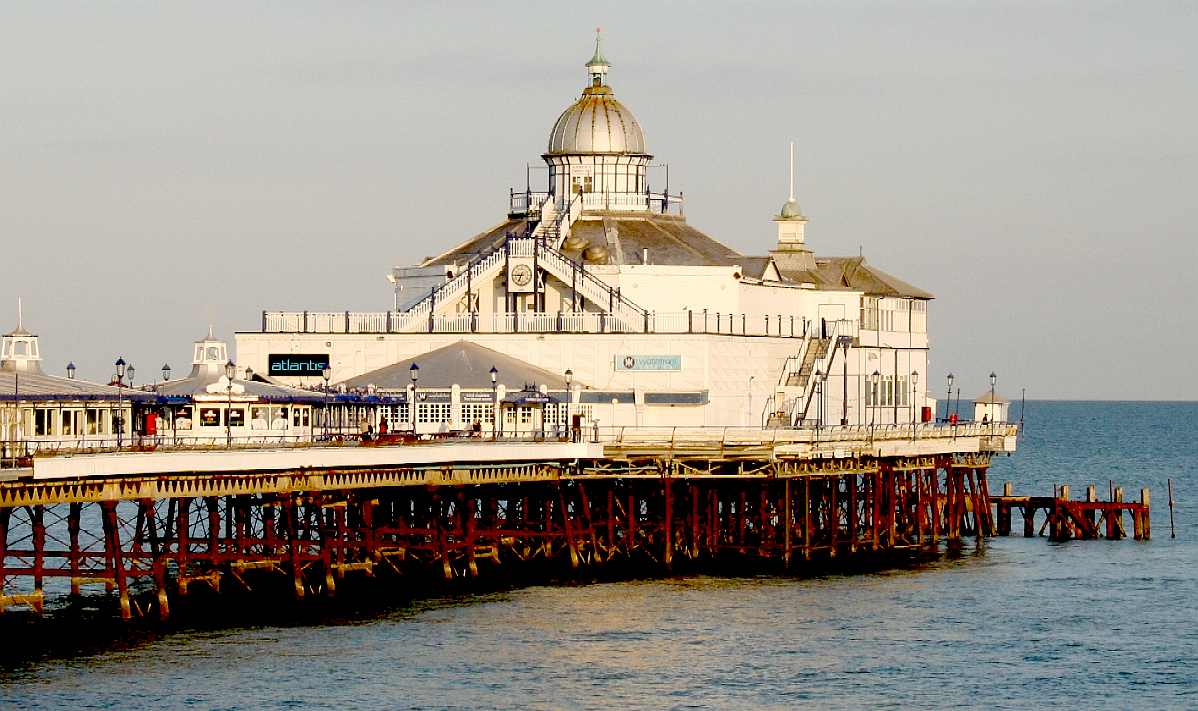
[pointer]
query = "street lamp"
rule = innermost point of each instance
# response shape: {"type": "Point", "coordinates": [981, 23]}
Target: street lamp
{"type": "Point", "coordinates": [326, 373]}
{"type": "Point", "coordinates": [414, 372]}
{"type": "Point", "coordinates": [495, 424]}
{"type": "Point", "coordinates": [249, 374]}
{"type": "Point", "coordinates": [495, 400]}
{"type": "Point", "coordinates": [914, 391]}
{"type": "Point", "coordinates": [750, 391]}
{"type": "Point", "coordinates": [71, 370]}
{"type": "Point", "coordinates": [120, 402]}
{"type": "Point", "coordinates": [844, 402]}
{"type": "Point", "coordinates": [569, 422]}
{"type": "Point", "coordinates": [874, 378]}
{"type": "Point", "coordinates": [166, 372]}
{"type": "Point", "coordinates": [819, 399]}
{"type": "Point", "coordinates": [230, 371]}
{"type": "Point", "coordinates": [130, 371]}
{"type": "Point", "coordinates": [948, 397]}
{"type": "Point", "coordinates": [993, 414]}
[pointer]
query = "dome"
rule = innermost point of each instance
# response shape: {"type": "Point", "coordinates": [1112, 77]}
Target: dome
{"type": "Point", "coordinates": [596, 123]}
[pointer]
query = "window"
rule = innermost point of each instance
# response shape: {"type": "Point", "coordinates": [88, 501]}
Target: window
{"type": "Point", "coordinates": [43, 422]}
{"type": "Point", "coordinates": [432, 412]}
{"type": "Point", "coordinates": [209, 416]}
{"type": "Point", "coordinates": [236, 417]}
{"type": "Point", "coordinates": [95, 423]}
{"type": "Point", "coordinates": [901, 394]}
{"type": "Point", "coordinates": [477, 412]}
{"type": "Point", "coordinates": [582, 184]}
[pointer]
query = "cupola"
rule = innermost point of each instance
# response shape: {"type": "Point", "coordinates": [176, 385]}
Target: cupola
{"type": "Point", "coordinates": [210, 357]}
{"type": "Point", "coordinates": [19, 349]}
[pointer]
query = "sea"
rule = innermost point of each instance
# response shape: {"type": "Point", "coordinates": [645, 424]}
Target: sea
{"type": "Point", "coordinates": [1013, 623]}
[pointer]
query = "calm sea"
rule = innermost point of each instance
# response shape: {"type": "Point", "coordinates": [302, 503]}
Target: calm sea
{"type": "Point", "coordinates": [1021, 623]}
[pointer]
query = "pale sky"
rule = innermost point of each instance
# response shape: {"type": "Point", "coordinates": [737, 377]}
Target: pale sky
{"type": "Point", "coordinates": [1033, 164]}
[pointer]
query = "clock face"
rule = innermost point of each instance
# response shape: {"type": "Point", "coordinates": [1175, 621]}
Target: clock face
{"type": "Point", "coordinates": [521, 275]}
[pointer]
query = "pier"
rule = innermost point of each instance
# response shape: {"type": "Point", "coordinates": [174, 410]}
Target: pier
{"type": "Point", "coordinates": [1066, 519]}
{"type": "Point", "coordinates": [152, 528]}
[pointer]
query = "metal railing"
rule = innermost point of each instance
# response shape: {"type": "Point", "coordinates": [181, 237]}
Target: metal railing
{"type": "Point", "coordinates": [628, 321]}
{"type": "Point", "coordinates": [525, 201]}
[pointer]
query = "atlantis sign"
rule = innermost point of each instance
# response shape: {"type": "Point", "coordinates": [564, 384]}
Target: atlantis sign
{"type": "Point", "coordinates": [296, 364]}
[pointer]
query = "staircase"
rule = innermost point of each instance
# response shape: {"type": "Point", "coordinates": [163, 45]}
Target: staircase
{"type": "Point", "coordinates": [796, 386]}
{"type": "Point", "coordinates": [552, 228]}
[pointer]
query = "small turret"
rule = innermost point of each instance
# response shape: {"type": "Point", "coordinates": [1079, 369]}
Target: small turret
{"type": "Point", "coordinates": [792, 253]}
{"type": "Point", "coordinates": [19, 348]}
{"type": "Point", "coordinates": [598, 65]}
{"type": "Point", "coordinates": [210, 357]}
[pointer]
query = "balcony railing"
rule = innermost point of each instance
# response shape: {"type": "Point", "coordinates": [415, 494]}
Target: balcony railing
{"type": "Point", "coordinates": [668, 322]}
{"type": "Point", "coordinates": [520, 203]}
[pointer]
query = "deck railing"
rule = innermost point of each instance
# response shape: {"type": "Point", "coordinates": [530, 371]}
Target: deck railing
{"type": "Point", "coordinates": [666, 322]}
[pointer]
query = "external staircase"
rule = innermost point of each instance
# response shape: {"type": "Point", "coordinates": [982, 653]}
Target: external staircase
{"type": "Point", "coordinates": [791, 403]}
{"type": "Point", "coordinates": [541, 241]}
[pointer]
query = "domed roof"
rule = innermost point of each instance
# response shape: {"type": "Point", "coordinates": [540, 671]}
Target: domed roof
{"type": "Point", "coordinates": [596, 123]}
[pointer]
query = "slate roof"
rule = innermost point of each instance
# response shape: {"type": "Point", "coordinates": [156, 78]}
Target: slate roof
{"type": "Point", "coordinates": [39, 386]}
{"type": "Point", "coordinates": [669, 239]}
{"type": "Point", "coordinates": [855, 274]}
{"type": "Point", "coordinates": [463, 363]}
{"type": "Point", "coordinates": [267, 392]}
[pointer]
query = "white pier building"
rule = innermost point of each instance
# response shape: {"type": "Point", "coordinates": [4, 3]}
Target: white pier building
{"type": "Point", "coordinates": [600, 274]}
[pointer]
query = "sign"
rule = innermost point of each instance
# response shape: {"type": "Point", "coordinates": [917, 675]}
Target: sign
{"type": "Point", "coordinates": [477, 396]}
{"type": "Point", "coordinates": [209, 416]}
{"type": "Point", "coordinates": [296, 364]}
{"type": "Point", "coordinates": [237, 417]}
{"type": "Point", "coordinates": [648, 362]}
{"type": "Point", "coordinates": [433, 396]}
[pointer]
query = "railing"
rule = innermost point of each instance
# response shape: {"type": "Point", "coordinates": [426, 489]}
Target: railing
{"type": "Point", "coordinates": [519, 203]}
{"type": "Point", "coordinates": [752, 436]}
{"type": "Point", "coordinates": [523, 202]}
{"type": "Point", "coordinates": [629, 321]}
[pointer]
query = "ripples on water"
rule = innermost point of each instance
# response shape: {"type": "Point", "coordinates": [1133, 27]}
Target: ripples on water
{"type": "Point", "coordinates": [1022, 623]}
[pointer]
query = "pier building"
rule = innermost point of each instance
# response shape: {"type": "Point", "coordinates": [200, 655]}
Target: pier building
{"type": "Point", "coordinates": [38, 410]}
{"type": "Point", "coordinates": [599, 273]}
{"type": "Point", "coordinates": [593, 299]}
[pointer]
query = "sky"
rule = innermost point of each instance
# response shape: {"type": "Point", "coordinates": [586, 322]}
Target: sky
{"type": "Point", "coordinates": [164, 166]}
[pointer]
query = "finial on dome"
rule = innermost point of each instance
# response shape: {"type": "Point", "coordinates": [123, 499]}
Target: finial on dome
{"type": "Point", "coordinates": [598, 65]}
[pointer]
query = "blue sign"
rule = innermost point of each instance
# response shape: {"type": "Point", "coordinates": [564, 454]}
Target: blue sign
{"type": "Point", "coordinates": [648, 362]}
{"type": "Point", "coordinates": [296, 364]}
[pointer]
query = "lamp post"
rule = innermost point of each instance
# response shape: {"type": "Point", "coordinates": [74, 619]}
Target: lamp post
{"type": "Point", "coordinates": [819, 399]}
{"type": "Point", "coordinates": [750, 392]}
{"type": "Point", "coordinates": [874, 378]}
{"type": "Point", "coordinates": [914, 392]}
{"type": "Point", "coordinates": [230, 371]}
{"type": "Point", "coordinates": [993, 414]}
{"type": "Point", "coordinates": [569, 422]}
{"type": "Point", "coordinates": [844, 404]}
{"type": "Point", "coordinates": [166, 372]}
{"type": "Point", "coordinates": [495, 402]}
{"type": "Point", "coordinates": [71, 370]}
{"type": "Point", "coordinates": [414, 373]}
{"type": "Point", "coordinates": [326, 373]}
{"type": "Point", "coordinates": [948, 396]}
{"type": "Point", "coordinates": [120, 402]}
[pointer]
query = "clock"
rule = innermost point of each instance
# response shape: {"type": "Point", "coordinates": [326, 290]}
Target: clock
{"type": "Point", "coordinates": [521, 275]}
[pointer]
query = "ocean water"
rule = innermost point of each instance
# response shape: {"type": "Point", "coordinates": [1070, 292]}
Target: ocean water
{"type": "Point", "coordinates": [1018, 623]}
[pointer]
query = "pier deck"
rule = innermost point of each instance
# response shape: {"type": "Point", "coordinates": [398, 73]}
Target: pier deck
{"type": "Point", "coordinates": [151, 527]}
